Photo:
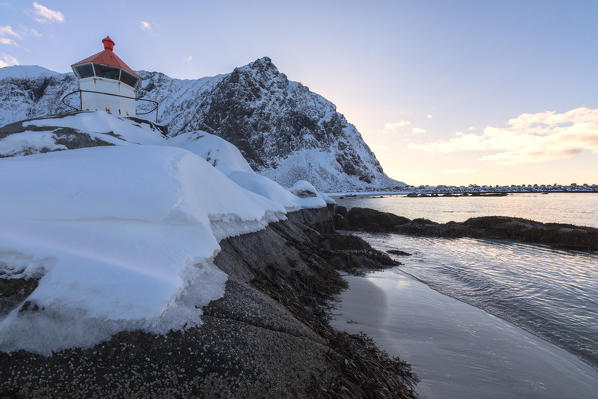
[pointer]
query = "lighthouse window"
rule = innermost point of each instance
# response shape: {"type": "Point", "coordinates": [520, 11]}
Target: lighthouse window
{"type": "Point", "coordinates": [104, 71]}
{"type": "Point", "coordinates": [127, 78]}
{"type": "Point", "coordinates": [84, 71]}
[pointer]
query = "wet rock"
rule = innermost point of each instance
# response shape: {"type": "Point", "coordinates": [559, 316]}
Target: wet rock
{"type": "Point", "coordinates": [13, 291]}
{"type": "Point", "coordinates": [398, 252]}
{"type": "Point", "coordinates": [557, 235]}
{"type": "Point", "coordinates": [366, 219]}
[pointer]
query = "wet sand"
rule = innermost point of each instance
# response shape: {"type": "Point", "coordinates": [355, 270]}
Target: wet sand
{"type": "Point", "coordinates": [456, 349]}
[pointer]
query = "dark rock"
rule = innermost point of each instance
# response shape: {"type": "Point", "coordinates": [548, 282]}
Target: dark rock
{"type": "Point", "coordinates": [370, 220]}
{"type": "Point", "coordinates": [422, 221]}
{"type": "Point", "coordinates": [557, 235]}
{"type": "Point", "coordinates": [398, 252]}
{"type": "Point", "coordinates": [13, 291]}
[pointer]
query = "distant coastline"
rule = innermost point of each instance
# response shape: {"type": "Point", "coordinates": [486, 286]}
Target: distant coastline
{"type": "Point", "coordinates": [471, 190]}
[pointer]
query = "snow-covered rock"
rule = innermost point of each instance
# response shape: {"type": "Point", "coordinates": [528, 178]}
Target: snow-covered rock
{"type": "Point", "coordinates": [284, 131]}
{"type": "Point", "coordinates": [120, 225]}
{"type": "Point", "coordinates": [227, 158]}
{"type": "Point", "coordinates": [220, 153]}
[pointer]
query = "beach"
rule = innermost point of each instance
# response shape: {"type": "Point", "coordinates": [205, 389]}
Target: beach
{"type": "Point", "coordinates": [456, 349]}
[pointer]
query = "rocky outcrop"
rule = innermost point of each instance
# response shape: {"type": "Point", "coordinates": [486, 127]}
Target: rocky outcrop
{"type": "Point", "coordinates": [557, 235]}
{"type": "Point", "coordinates": [267, 337]}
{"type": "Point", "coordinates": [367, 220]}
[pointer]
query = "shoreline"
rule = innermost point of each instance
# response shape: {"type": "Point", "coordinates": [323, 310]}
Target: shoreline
{"type": "Point", "coordinates": [458, 350]}
{"type": "Point", "coordinates": [269, 333]}
{"type": "Point", "coordinates": [268, 336]}
{"type": "Point", "coordinates": [443, 194]}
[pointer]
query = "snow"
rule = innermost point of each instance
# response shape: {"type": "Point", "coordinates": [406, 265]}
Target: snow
{"type": "Point", "coordinates": [220, 153]}
{"type": "Point", "coordinates": [308, 194]}
{"type": "Point", "coordinates": [319, 167]}
{"type": "Point", "coordinates": [270, 189]}
{"type": "Point", "coordinates": [123, 237]}
{"type": "Point", "coordinates": [228, 159]}
{"type": "Point", "coordinates": [25, 72]}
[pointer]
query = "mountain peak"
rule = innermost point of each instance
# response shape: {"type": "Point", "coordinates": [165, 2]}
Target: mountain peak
{"type": "Point", "coordinates": [262, 64]}
{"type": "Point", "coordinates": [262, 68]}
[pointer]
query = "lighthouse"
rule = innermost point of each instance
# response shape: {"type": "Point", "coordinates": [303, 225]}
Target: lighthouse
{"type": "Point", "coordinates": [106, 83]}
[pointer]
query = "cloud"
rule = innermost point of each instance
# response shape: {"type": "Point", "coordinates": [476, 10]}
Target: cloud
{"type": "Point", "coordinates": [36, 33]}
{"type": "Point", "coordinates": [471, 128]}
{"type": "Point", "coordinates": [189, 58]}
{"type": "Point", "coordinates": [8, 60]}
{"type": "Point", "coordinates": [6, 30]}
{"type": "Point", "coordinates": [429, 116]}
{"type": "Point", "coordinates": [462, 171]}
{"type": "Point", "coordinates": [418, 130]}
{"type": "Point", "coordinates": [145, 25]}
{"type": "Point", "coordinates": [45, 14]}
{"type": "Point", "coordinates": [392, 126]}
{"type": "Point", "coordinates": [6, 40]}
{"type": "Point", "coordinates": [538, 137]}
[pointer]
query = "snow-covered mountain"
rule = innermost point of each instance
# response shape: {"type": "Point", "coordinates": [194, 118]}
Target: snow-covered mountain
{"type": "Point", "coordinates": [285, 131]}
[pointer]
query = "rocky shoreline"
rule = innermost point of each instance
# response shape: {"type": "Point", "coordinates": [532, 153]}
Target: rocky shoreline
{"type": "Point", "coordinates": [556, 235]}
{"type": "Point", "coordinates": [269, 336]}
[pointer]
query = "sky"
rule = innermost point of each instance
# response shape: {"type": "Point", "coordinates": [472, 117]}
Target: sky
{"type": "Point", "coordinates": [444, 92]}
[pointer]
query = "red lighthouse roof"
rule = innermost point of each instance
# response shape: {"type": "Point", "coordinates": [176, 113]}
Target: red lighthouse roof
{"type": "Point", "coordinates": [107, 57]}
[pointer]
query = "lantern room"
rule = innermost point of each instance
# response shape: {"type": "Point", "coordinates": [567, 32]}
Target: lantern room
{"type": "Point", "coordinates": [106, 83]}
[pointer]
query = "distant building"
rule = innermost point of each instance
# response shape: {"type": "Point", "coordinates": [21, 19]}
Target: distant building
{"type": "Point", "coordinates": [107, 83]}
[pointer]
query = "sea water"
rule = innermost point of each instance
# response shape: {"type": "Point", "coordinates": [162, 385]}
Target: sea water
{"type": "Point", "coordinates": [546, 293]}
{"type": "Point", "coordinates": [579, 208]}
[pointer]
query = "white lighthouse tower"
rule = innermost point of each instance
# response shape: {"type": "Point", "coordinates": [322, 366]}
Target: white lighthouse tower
{"type": "Point", "coordinates": [106, 83]}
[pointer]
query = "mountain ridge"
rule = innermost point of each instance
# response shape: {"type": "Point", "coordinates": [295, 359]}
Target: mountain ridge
{"type": "Point", "coordinates": [285, 131]}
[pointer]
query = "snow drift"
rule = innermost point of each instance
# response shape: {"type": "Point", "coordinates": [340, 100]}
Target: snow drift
{"type": "Point", "coordinates": [122, 235]}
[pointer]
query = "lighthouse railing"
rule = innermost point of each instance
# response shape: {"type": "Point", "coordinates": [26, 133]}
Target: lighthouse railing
{"type": "Point", "coordinates": [156, 104]}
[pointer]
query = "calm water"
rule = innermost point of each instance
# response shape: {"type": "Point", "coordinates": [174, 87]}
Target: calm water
{"type": "Point", "coordinates": [579, 209]}
{"type": "Point", "coordinates": [551, 293]}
